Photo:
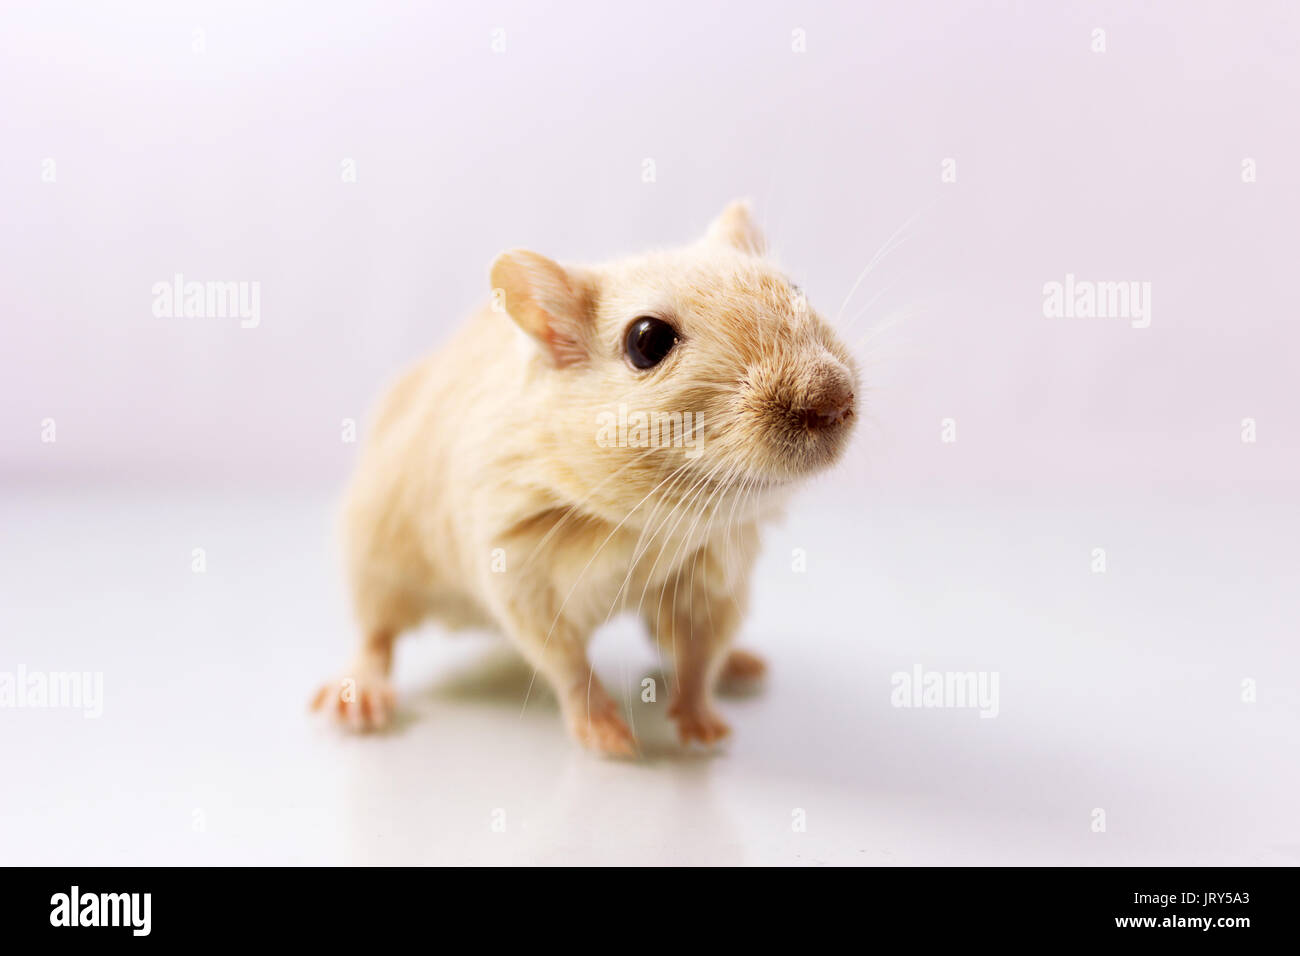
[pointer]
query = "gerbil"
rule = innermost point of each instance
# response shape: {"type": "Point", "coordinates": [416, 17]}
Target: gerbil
{"type": "Point", "coordinates": [511, 480]}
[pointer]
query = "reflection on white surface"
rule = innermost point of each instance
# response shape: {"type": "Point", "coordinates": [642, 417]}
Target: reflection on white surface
{"type": "Point", "coordinates": [1118, 691]}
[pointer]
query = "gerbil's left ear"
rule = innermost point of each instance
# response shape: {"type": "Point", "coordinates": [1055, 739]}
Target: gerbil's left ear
{"type": "Point", "coordinates": [736, 228]}
{"type": "Point", "coordinates": [549, 302]}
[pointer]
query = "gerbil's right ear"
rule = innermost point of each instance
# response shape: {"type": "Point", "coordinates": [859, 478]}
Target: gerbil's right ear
{"type": "Point", "coordinates": [547, 301]}
{"type": "Point", "coordinates": [735, 227]}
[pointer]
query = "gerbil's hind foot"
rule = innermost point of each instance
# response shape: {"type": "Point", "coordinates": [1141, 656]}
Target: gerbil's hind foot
{"type": "Point", "coordinates": [698, 721]}
{"type": "Point", "coordinates": [599, 727]}
{"type": "Point", "coordinates": [742, 669]}
{"type": "Point", "coordinates": [362, 702]}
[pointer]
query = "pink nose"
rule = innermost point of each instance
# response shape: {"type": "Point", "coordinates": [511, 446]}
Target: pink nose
{"type": "Point", "coordinates": [834, 408]}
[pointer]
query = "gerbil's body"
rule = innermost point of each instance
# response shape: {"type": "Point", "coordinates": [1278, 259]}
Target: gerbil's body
{"type": "Point", "coordinates": [599, 439]}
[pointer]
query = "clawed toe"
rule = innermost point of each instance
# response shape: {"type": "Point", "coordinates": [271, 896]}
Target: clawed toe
{"type": "Point", "coordinates": [359, 704]}
{"type": "Point", "coordinates": [698, 723]}
{"type": "Point", "coordinates": [601, 729]}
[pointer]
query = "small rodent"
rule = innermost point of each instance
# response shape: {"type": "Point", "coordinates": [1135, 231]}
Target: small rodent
{"type": "Point", "coordinates": [614, 447]}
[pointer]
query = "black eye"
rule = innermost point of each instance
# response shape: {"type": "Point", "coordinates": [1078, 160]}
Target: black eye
{"type": "Point", "coordinates": [648, 341]}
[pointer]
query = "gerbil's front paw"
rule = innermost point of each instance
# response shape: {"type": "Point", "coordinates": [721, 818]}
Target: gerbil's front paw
{"type": "Point", "coordinates": [362, 702]}
{"type": "Point", "coordinates": [601, 729]}
{"type": "Point", "coordinates": [698, 721]}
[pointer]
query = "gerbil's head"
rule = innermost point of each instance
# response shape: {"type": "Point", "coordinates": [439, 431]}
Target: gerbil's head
{"type": "Point", "coordinates": [700, 364]}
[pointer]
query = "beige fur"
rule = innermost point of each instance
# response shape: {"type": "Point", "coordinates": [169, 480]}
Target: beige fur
{"type": "Point", "coordinates": [491, 443]}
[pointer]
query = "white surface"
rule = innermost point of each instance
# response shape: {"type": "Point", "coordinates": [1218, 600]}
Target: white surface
{"type": "Point", "coordinates": [1119, 691]}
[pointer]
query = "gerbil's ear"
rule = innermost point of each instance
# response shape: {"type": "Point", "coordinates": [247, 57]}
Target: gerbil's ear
{"type": "Point", "coordinates": [547, 301]}
{"type": "Point", "coordinates": [736, 228]}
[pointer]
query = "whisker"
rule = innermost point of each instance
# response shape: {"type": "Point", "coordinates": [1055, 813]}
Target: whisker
{"type": "Point", "coordinates": [574, 509]}
{"type": "Point", "coordinates": [579, 578]}
{"type": "Point", "coordinates": [884, 250]}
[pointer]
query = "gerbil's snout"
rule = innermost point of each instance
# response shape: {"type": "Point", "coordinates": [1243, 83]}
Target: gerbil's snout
{"type": "Point", "coordinates": [831, 403]}
{"type": "Point", "coordinates": [804, 410]}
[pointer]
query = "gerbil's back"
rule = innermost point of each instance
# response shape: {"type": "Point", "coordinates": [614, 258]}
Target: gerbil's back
{"type": "Point", "coordinates": [401, 509]}
{"type": "Point", "coordinates": [422, 407]}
